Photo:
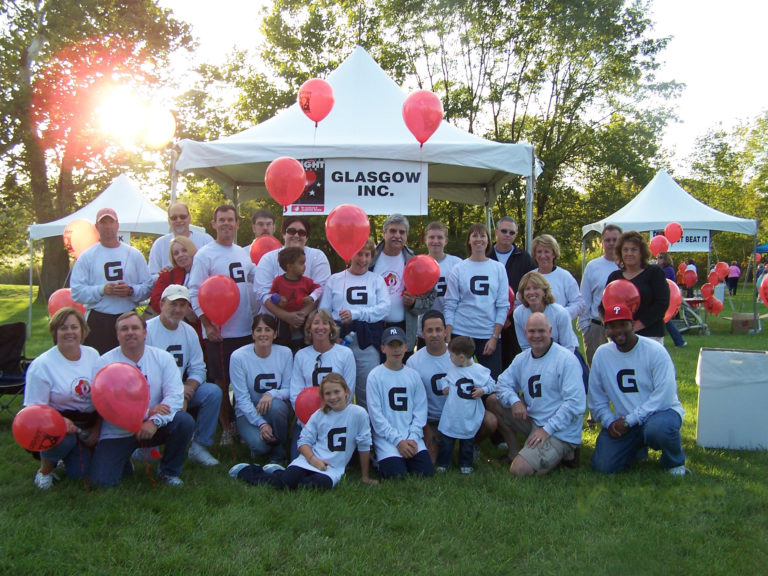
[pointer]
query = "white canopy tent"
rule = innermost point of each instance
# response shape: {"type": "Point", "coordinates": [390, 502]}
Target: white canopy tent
{"type": "Point", "coordinates": [365, 122]}
{"type": "Point", "coordinates": [136, 214]}
{"type": "Point", "coordinates": [663, 201]}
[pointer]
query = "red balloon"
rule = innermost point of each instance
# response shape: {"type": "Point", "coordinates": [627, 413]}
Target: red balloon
{"type": "Point", "coordinates": [681, 267]}
{"type": "Point", "coordinates": [673, 231]}
{"type": "Point", "coordinates": [263, 244]}
{"type": "Point", "coordinates": [347, 229]}
{"type": "Point", "coordinates": [758, 257]}
{"type": "Point", "coordinates": [722, 269]}
{"type": "Point", "coordinates": [316, 99]}
{"type": "Point", "coordinates": [675, 300]}
{"type": "Point", "coordinates": [62, 297]}
{"type": "Point", "coordinates": [658, 245]}
{"type": "Point", "coordinates": [422, 113]}
{"type": "Point", "coordinates": [285, 180]}
{"type": "Point", "coordinates": [219, 297]}
{"type": "Point", "coordinates": [713, 278]}
{"type": "Point", "coordinates": [690, 278]}
{"type": "Point", "coordinates": [38, 427]}
{"type": "Point", "coordinates": [621, 292]}
{"type": "Point", "coordinates": [120, 394]}
{"type": "Point", "coordinates": [707, 290]}
{"type": "Point", "coordinates": [307, 403]}
{"type": "Point", "coordinates": [713, 305]}
{"type": "Point", "coordinates": [78, 236]}
{"type": "Point", "coordinates": [763, 290]}
{"type": "Point", "coordinates": [421, 274]}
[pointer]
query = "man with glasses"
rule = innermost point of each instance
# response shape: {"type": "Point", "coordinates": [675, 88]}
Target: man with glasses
{"type": "Point", "coordinates": [179, 219]}
{"type": "Point", "coordinates": [517, 262]}
{"type": "Point", "coordinates": [318, 268]}
{"type": "Point", "coordinates": [263, 222]}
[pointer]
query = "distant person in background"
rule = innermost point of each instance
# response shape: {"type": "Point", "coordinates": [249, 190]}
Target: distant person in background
{"type": "Point", "coordinates": [179, 220]}
{"type": "Point", "coordinates": [592, 285]}
{"type": "Point", "coordinates": [263, 222]}
{"type": "Point", "coordinates": [109, 278]}
{"type": "Point", "coordinates": [665, 261]}
{"type": "Point", "coordinates": [733, 278]}
{"type": "Point", "coordinates": [516, 262]}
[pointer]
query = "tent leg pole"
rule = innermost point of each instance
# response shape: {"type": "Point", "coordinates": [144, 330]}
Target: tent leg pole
{"type": "Point", "coordinates": [29, 308]}
{"type": "Point", "coordinates": [530, 190]}
{"type": "Point", "coordinates": [756, 326]}
{"type": "Point", "coordinates": [174, 175]}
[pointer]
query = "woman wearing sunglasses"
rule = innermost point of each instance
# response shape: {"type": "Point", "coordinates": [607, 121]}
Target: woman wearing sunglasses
{"type": "Point", "coordinates": [295, 233]}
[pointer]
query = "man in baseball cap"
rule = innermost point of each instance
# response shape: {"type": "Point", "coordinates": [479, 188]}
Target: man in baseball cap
{"type": "Point", "coordinates": [109, 278]}
{"type": "Point", "coordinates": [169, 332]}
{"type": "Point", "coordinates": [636, 375]}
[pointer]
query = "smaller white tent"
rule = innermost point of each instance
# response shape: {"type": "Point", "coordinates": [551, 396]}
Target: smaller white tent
{"type": "Point", "coordinates": [663, 201]}
{"type": "Point", "coordinates": [136, 213]}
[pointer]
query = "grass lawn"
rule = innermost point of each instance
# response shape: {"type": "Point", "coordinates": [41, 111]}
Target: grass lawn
{"type": "Point", "coordinates": [568, 522]}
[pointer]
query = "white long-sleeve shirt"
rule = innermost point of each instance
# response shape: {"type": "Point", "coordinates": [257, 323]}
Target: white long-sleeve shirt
{"type": "Point", "coordinates": [463, 415]}
{"type": "Point", "coordinates": [637, 383]}
{"type": "Point", "coordinates": [476, 298]}
{"type": "Point", "coordinates": [565, 289]}
{"type": "Point", "coordinates": [397, 406]}
{"type": "Point", "coordinates": [551, 389]}
{"type": "Point", "coordinates": [233, 262]}
{"type": "Point", "coordinates": [592, 285]}
{"type": "Point", "coordinates": [310, 367]}
{"type": "Point", "coordinates": [333, 437]}
{"type": "Point", "coordinates": [317, 268]}
{"type": "Point", "coordinates": [562, 329]}
{"type": "Point", "coordinates": [100, 265]}
{"type": "Point", "coordinates": [183, 344]}
{"type": "Point", "coordinates": [165, 386]}
{"type": "Point", "coordinates": [365, 296]}
{"type": "Point", "coordinates": [253, 376]}
{"type": "Point", "coordinates": [431, 369]}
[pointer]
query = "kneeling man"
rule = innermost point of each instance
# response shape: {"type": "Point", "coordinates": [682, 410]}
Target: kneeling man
{"type": "Point", "coordinates": [541, 394]}
{"type": "Point", "coordinates": [635, 375]}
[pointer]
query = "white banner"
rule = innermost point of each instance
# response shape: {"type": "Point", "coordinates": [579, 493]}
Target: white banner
{"type": "Point", "coordinates": [124, 236]}
{"type": "Point", "coordinates": [376, 186]}
{"type": "Point", "coordinates": [692, 241]}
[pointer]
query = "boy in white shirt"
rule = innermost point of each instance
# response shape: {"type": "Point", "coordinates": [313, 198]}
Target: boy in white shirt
{"type": "Point", "coordinates": [465, 385]}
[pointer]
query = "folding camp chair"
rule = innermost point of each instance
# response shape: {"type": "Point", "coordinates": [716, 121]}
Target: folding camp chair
{"type": "Point", "coordinates": [13, 364]}
{"type": "Point", "coordinates": [689, 319]}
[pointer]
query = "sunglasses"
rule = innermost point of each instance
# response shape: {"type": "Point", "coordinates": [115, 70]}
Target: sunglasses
{"type": "Point", "coordinates": [318, 361]}
{"type": "Point", "coordinates": [508, 232]}
{"type": "Point", "coordinates": [296, 232]}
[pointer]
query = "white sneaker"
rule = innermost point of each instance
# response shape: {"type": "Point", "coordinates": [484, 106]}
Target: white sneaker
{"type": "Point", "coordinates": [226, 438]}
{"type": "Point", "coordinates": [502, 446]}
{"type": "Point", "coordinates": [172, 480]}
{"type": "Point", "coordinates": [466, 469]}
{"type": "Point", "coordinates": [198, 453]}
{"type": "Point", "coordinates": [441, 469]}
{"type": "Point", "coordinates": [679, 471]}
{"type": "Point", "coordinates": [235, 470]}
{"type": "Point", "coordinates": [45, 481]}
{"type": "Point", "coordinates": [272, 467]}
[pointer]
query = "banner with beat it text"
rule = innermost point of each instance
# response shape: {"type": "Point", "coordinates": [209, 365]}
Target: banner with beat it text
{"type": "Point", "coordinates": [376, 186]}
{"type": "Point", "coordinates": [692, 241]}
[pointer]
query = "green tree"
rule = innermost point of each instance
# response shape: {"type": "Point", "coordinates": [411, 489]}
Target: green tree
{"type": "Point", "coordinates": [54, 57]}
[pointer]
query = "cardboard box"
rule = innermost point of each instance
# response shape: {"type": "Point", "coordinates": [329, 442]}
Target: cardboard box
{"type": "Point", "coordinates": [742, 323]}
{"type": "Point", "coordinates": [733, 399]}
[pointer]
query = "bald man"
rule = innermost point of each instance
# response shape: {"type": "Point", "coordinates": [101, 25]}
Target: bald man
{"type": "Point", "coordinates": [179, 220]}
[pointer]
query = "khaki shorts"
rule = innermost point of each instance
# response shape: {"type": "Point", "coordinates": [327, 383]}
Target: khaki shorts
{"type": "Point", "coordinates": [548, 454]}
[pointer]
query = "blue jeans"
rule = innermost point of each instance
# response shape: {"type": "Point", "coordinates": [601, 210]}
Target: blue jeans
{"type": "Point", "coordinates": [207, 398]}
{"type": "Point", "coordinates": [466, 451]}
{"type": "Point", "coordinates": [677, 338]}
{"type": "Point", "coordinates": [278, 418]}
{"type": "Point", "coordinates": [75, 454]}
{"type": "Point", "coordinates": [112, 455]}
{"type": "Point", "coordinates": [291, 478]}
{"type": "Point", "coordinates": [660, 432]}
{"type": "Point", "coordinates": [399, 467]}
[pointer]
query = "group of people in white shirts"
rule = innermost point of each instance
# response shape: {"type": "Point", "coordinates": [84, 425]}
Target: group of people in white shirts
{"type": "Point", "coordinates": [352, 334]}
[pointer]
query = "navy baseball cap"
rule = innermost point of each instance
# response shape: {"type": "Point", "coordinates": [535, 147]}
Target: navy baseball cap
{"type": "Point", "coordinates": [392, 334]}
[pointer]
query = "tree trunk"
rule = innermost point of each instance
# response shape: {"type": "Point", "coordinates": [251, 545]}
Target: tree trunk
{"type": "Point", "coordinates": [55, 269]}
